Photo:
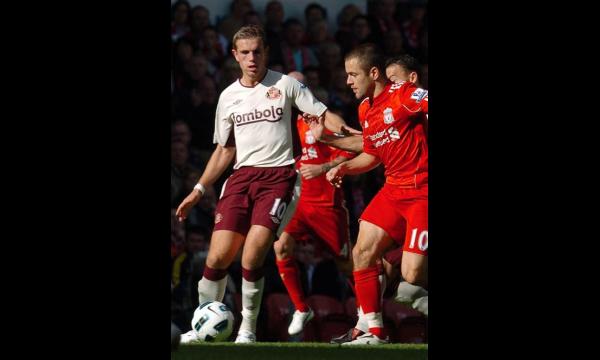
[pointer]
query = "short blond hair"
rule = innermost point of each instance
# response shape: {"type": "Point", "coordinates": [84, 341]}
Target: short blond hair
{"type": "Point", "coordinates": [249, 32]}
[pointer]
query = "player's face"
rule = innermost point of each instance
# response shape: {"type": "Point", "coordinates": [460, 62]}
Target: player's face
{"type": "Point", "coordinates": [251, 55]}
{"type": "Point", "coordinates": [361, 83]}
{"type": "Point", "coordinates": [397, 73]}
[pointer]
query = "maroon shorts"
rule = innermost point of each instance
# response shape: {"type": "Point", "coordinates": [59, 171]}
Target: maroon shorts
{"type": "Point", "coordinates": [254, 196]}
{"type": "Point", "coordinates": [325, 223]}
{"type": "Point", "coordinates": [402, 213]}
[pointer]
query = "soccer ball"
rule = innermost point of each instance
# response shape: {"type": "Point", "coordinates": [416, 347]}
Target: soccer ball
{"type": "Point", "coordinates": [212, 321]}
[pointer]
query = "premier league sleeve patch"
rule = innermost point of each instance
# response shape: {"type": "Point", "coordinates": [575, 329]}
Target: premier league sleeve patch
{"type": "Point", "coordinates": [418, 95]}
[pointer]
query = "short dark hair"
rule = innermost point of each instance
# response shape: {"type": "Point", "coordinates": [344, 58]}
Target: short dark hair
{"type": "Point", "coordinates": [408, 62]}
{"type": "Point", "coordinates": [249, 32]}
{"type": "Point", "coordinates": [369, 55]}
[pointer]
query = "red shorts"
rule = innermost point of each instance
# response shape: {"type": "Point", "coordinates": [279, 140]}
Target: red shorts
{"type": "Point", "coordinates": [402, 213]}
{"type": "Point", "coordinates": [254, 196]}
{"type": "Point", "coordinates": [325, 223]}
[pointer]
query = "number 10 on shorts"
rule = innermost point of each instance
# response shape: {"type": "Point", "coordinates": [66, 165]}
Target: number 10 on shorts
{"type": "Point", "coordinates": [278, 209]}
{"type": "Point", "coordinates": [423, 239]}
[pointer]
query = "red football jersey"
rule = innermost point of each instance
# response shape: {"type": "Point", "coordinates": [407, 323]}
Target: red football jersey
{"type": "Point", "coordinates": [393, 130]}
{"type": "Point", "coordinates": [318, 190]}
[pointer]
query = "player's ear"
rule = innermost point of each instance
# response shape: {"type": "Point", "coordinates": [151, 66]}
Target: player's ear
{"type": "Point", "coordinates": [412, 77]}
{"type": "Point", "coordinates": [374, 73]}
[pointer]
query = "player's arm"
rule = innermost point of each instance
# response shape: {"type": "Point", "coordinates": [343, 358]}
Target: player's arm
{"type": "Point", "coordinates": [360, 164]}
{"type": "Point", "coordinates": [310, 171]}
{"type": "Point", "coordinates": [335, 123]}
{"type": "Point", "coordinates": [219, 161]}
{"type": "Point", "coordinates": [353, 143]}
{"type": "Point", "coordinates": [306, 102]}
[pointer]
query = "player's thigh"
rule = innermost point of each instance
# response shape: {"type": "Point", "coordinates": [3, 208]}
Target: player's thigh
{"type": "Point", "coordinates": [370, 245]}
{"type": "Point", "coordinates": [383, 211]}
{"type": "Point", "coordinates": [224, 245]}
{"type": "Point", "coordinates": [232, 211]}
{"type": "Point", "coordinates": [414, 258]}
{"type": "Point", "coordinates": [256, 247]}
{"type": "Point", "coordinates": [417, 227]}
{"type": "Point", "coordinates": [271, 195]}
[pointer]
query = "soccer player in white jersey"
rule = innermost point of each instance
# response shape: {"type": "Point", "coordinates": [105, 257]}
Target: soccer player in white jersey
{"type": "Point", "coordinates": [253, 124]}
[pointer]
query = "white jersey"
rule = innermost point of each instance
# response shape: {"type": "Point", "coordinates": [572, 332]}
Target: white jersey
{"type": "Point", "coordinates": [261, 119]}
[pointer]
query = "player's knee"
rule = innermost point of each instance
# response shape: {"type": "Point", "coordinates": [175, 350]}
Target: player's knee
{"type": "Point", "coordinates": [217, 261]}
{"type": "Point", "coordinates": [362, 257]}
{"type": "Point", "coordinates": [283, 248]}
{"type": "Point", "coordinates": [413, 275]}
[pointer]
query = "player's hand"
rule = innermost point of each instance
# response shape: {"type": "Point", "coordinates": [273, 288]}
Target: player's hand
{"type": "Point", "coordinates": [187, 204]}
{"type": "Point", "coordinates": [316, 125]}
{"type": "Point", "coordinates": [348, 131]}
{"type": "Point", "coordinates": [311, 171]}
{"type": "Point", "coordinates": [335, 175]}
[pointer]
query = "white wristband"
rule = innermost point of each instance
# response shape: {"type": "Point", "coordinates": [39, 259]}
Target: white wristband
{"type": "Point", "coordinates": [200, 187]}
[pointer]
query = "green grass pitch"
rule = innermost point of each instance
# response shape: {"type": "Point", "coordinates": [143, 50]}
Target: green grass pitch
{"type": "Point", "coordinates": [299, 351]}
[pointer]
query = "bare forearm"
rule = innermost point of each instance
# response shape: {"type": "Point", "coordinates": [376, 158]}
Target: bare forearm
{"type": "Point", "coordinates": [360, 164]}
{"type": "Point", "coordinates": [218, 163]}
{"type": "Point", "coordinates": [334, 122]}
{"type": "Point", "coordinates": [353, 143]}
{"type": "Point", "coordinates": [333, 163]}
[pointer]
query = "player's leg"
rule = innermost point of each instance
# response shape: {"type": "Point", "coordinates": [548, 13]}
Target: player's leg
{"type": "Point", "coordinates": [290, 276]}
{"type": "Point", "coordinates": [257, 245]}
{"type": "Point", "coordinates": [223, 247]}
{"type": "Point", "coordinates": [414, 269]}
{"type": "Point", "coordinates": [381, 225]}
{"type": "Point", "coordinates": [372, 242]}
{"type": "Point", "coordinates": [405, 292]}
{"type": "Point", "coordinates": [331, 226]}
{"type": "Point", "coordinates": [288, 267]}
{"type": "Point", "coordinates": [414, 261]}
{"type": "Point", "coordinates": [231, 225]}
{"type": "Point", "coordinates": [270, 195]}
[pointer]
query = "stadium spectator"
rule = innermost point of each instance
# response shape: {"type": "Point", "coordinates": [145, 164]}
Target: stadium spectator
{"type": "Point", "coordinates": [180, 18]}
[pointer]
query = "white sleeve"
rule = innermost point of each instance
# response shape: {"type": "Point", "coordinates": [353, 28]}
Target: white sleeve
{"type": "Point", "coordinates": [223, 125]}
{"type": "Point", "coordinates": [304, 99]}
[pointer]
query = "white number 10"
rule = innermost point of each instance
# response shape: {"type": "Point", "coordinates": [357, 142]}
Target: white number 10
{"type": "Point", "coordinates": [423, 241]}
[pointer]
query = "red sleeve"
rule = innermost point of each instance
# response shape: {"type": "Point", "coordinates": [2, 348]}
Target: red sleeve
{"type": "Point", "coordinates": [414, 98]}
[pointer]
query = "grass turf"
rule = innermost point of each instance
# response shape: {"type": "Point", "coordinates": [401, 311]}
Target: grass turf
{"type": "Point", "coordinates": [301, 351]}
